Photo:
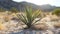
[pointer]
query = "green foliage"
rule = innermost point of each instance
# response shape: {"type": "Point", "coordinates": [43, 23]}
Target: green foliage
{"type": "Point", "coordinates": [2, 10]}
{"type": "Point", "coordinates": [56, 12]}
{"type": "Point", "coordinates": [28, 17]}
{"type": "Point", "coordinates": [14, 10]}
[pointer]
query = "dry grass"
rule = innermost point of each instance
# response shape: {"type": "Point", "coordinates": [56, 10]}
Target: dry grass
{"type": "Point", "coordinates": [2, 26]}
{"type": "Point", "coordinates": [54, 18]}
{"type": "Point", "coordinates": [6, 16]}
{"type": "Point", "coordinates": [41, 26]}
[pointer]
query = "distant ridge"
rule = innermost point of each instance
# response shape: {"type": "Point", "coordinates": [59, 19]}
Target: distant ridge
{"type": "Point", "coordinates": [8, 4]}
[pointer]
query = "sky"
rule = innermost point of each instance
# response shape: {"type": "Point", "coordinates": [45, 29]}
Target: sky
{"type": "Point", "coordinates": [42, 2]}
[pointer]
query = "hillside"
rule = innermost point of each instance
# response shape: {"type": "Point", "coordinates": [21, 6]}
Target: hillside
{"type": "Point", "coordinates": [8, 4]}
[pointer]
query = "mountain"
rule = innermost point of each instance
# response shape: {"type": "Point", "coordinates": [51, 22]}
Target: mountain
{"type": "Point", "coordinates": [8, 4]}
{"type": "Point", "coordinates": [23, 5]}
{"type": "Point", "coordinates": [47, 7]}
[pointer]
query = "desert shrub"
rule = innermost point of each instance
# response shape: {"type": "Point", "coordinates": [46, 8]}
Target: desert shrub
{"type": "Point", "coordinates": [28, 17]}
{"type": "Point", "coordinates": [8, 12]}
{"type": "Point", "coordinates": [7, 18]}
{"type": "Point", "coordinates": [56, 12]}
{"type": "Point", "coordinates": [14, 10]}
{"type": "Point", "coordinates": [2, 10]}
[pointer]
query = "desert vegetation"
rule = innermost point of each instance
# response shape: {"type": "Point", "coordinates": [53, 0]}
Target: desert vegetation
{"type": "Point", "coordinates": [15, 21]}
{"type": "Point", "coordinates": [56, 12]}
{"type": "Point", "coordinates": [28, 17]}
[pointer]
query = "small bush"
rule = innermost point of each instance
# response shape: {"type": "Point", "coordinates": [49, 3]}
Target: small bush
{"type": "Point", "coordinates": [56, 12]}
{"type": "Point", "coordinates": [2, 10]}
{"type": "Point", "coordinates": [14, 10]}
{"type": "Point", "coordinates": [7, 18]}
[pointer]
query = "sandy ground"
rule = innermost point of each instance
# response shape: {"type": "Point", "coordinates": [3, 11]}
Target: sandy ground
{"type": "Point", "coordinates": [13, 27]}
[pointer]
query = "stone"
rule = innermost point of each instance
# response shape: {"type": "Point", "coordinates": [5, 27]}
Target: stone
{"type": "Point", "coordinates": [40, 26]}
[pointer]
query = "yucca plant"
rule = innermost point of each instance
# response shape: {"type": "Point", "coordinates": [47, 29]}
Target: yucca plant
{"type": "Point", "coordinates": [29, 16]}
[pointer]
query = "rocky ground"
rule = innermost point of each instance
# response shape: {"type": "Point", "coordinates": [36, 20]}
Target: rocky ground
{"type": "Point", "coordinates": [13, 26]}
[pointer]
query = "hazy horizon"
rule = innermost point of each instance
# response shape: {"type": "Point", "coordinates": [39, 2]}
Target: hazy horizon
{"type": "Point", "coordinates": [42, 2]}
